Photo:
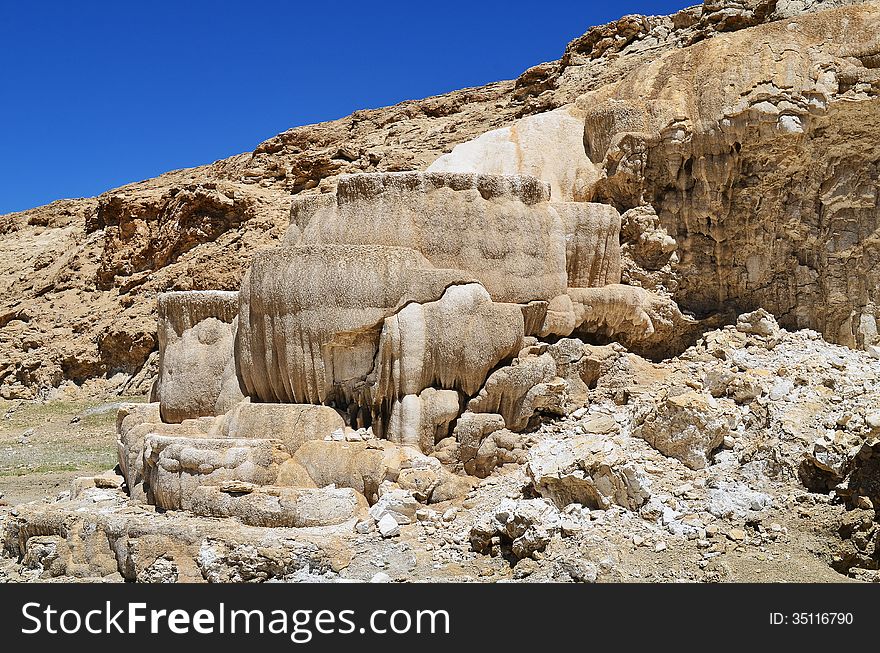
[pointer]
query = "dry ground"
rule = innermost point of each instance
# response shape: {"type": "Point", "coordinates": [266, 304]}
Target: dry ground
{"type": "Point", "coordinates": [43, 446]}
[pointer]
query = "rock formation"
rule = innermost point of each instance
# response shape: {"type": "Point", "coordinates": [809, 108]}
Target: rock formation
{"type": "Point", "coordinates": [403, 303]}
{"type": "Point", "coordinates": [79, 277]}
{"type": "Point", "coordinates": [519, 285]}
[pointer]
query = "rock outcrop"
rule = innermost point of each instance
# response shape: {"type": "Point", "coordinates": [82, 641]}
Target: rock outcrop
{"type": "Point", "coordinates": [410, 306]}
{"type": "Point", "coordinates": [79, 276]}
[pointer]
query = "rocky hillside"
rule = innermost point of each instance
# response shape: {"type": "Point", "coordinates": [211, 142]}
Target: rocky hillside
{"type": "Point", "coordinates": [750, 129]}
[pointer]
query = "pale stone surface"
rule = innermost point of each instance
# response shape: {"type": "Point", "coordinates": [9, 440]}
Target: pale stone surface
{"type": "Point", "coordinates": [174, 467]}
{"type": "Point", "coordinates": [517, 391]}
{"type": "Point", "coordinates": [548, 146]}
{"type": "Point", "coordinates": [689, 147]}
{"type": "Point", "coordinates": [470, 431]}
{"type": "Point", "coordinates": [525, 526]}
{"type": "Point", "coordinates": [500, 230]}
{"type": "Point", "coordinates": [293, 424]}
{"type": "Point", "coordinates": [196, 334]}
{"type": "Point", "coordinates": [698, 163]}
{"type": "Point", "coordinates": [590, 470]}
{"type": "Point", "coordinates": [688, 426]}
{"type": "Point", "coordinates": [279, 506]}
{"type": "Point", "coordinates": [422, 420]}
{"type": "Point", "coordinates": [452, 343]}
{"type": "Point", "coordinates": [592, 243]}
{"type": "Point", "coordinates": [399, 299]}
{"type": "Point", "coordinates": [358, 465]}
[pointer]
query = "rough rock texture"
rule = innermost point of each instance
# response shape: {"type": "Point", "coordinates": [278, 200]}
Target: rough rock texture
{"type": "Point", "coordinates": [501, 230]}
{"type": "Point", "coordinates": [688, 426]}
{"type": "Point", "coordinates": [808, 415]}
{"type": "Point", "coordinates": [292, 424]}
{"type": "Point", "coordinates": [422, 420]}
{"type": "Point", "coordinates": [117, 541]}
{"type": "Point", "coordinates": [470, 431]}
{"type": "Point", "coordinates": [524, 527]}
{"type": "Point", "coordinates": [517, 392]}
{"type": "Point", "coordinates": [279, 506]}
{"type": "Point", "coordinates": [763, 178]}
{"type": "Point", "coordinates": [196, 366]}
{"type": "Point", "coordinates": [176, 466]}
{"type": "Point", "coordinates": [548, 146]}
{"type": "Point", "coordinates": [590, 470]}
{"type": "Point", "coordinates": [720, 160]}
{"type": "Point", "coordinates": [78, 277]}
{"type": "Point", "coordinates": [592, 243]}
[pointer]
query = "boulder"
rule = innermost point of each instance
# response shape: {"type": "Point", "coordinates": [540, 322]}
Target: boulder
{"type": "Point", "coordinates": [421, 420]}
{"type": "Point", "coordinates": [175, 466]}
{"type": "Point", "coordinates": [196, 335]}
{"type": "Point", "coordinates": [759, 323]}
{"type": "Point", "coordinates": [452, 343]}
{"type": "Point", "coordinates": [292, 424]}
{"type": "Point", "coordinates": [520, 390]}
{"type": "Point", "coordinates": [397, 503]}
{"type": "Point", "coordinates": [362, 466]}
{"type": "Point", "coordinates": [587, 469]}
{"type": "Point", "coordinates": [131, 432]}
{"type": "Point", "coordinates": [519, 526]}
{"type": "Point", "coordinates": [470, 431]}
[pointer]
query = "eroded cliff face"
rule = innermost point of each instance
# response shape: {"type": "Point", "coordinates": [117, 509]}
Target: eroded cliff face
{"type": "Point", "coordinates": [79, 278]}
{"type": "Point", "coordinates": [766, 176]}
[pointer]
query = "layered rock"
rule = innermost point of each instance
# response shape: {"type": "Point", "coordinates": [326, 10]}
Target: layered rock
{"type": "Point", "coordinates": [718, 161]}
{"type": "Point", "coordinates": [501, 230]}
{"type": "Point", "coordinates": [401, 298]}
{"type": "Point", "coordinates": [590, 470]}
{"type": "Point", "coordinates": [292, 424]}
{"type": "Point", "coordinates": [78, 277]}
{"type": "Point", "coordinates": [279, 506]}
{"type": "Point", "coordinates": [176, 466]}
{"type": "Point", "coordinates": [196, 367]}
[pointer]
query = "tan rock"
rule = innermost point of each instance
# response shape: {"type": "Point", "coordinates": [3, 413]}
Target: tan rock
{"type": "Point", "coordinates": [421, 420]}
{"type": "Point", "coordinates": [500, 230]}
{"type": "Point", "coordinates": [716, 86]}
{"type": "Point", "coordinates": [196, 335]}
{"type": "Point", "coordinates": [281, 506]}
{"type": "Point", "coordinates": [293, 424]}
{"type": "Point", "coordinates": [357, 465]}
{"type": "Point", "coordinates": [715, 109]}
{"type": "Point", "coordinates": [518, 391]}
{"type": "Point", "coordinates": [587, 469]}
{"type": "Point", "coordinates": [293, 474]}
{"type": "Point", "coordinates": [547, 146]}
{"type": "Point", "coordinates": [329, 352]}
{"type": "Point", "coordinates": [175, 466]}
{"type": "Point", "coordinates": [688, 426]}
{"type": "Point", "coordinates": [470, 431]}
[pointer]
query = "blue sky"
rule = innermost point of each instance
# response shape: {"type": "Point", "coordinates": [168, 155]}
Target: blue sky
{"type": "Point", "coordinates": [96, 94]}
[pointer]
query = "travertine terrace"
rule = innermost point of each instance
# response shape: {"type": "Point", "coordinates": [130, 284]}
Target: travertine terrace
{"type": "Point", "coordinates": [612, 321]}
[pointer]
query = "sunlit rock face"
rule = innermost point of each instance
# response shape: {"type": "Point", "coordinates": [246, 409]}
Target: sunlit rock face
{"type": "Point", "coordinates": [759, 152]}
{"type": "Point", "coordinates": [395, 305]}
{"type": "Point", "coordinates": [196, 366]}
{"type": "Point", "coordinates": [443, 312]}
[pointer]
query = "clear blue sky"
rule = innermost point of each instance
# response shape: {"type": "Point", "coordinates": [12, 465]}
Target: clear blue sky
{"type": "Point", "coordinates": [96, 94]}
